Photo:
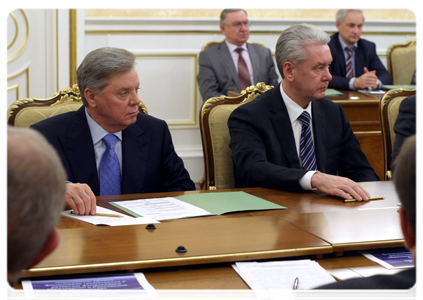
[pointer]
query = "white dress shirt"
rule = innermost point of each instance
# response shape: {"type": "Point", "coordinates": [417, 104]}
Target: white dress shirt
{"type": "Point", "coordinates": [245, 55]}
{"type": "Point", "coordinates": [97, 134]}
{"type": "Point", "coordinates": [294, 111]}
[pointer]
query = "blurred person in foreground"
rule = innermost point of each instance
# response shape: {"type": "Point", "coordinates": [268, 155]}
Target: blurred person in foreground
{"type": "Point", "coordinates": [405, 184]}
{"type": "Point", "coordinates": [35, 197]}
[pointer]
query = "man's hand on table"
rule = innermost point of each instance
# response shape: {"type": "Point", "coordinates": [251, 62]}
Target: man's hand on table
{"type": "Point", "coordinates": [80, 198]}
{"type": "Point", "coordinates": [339, 186]}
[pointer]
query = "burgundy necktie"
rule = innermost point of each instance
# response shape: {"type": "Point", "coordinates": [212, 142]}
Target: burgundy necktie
{"type": "Point", "coordinates": [244, 75]}
{"type": "Point", "coordinates": [349, 62]}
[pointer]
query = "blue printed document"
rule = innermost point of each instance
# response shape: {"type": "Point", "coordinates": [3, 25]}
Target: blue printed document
{"type": "Point", "coordinates": [392, 258]}
{"type": "Point", "coordinates": [134, 281]}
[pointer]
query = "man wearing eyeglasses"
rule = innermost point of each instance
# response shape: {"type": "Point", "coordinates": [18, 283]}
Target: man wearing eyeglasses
{"type": "Point", "coordinates": [234, 64]}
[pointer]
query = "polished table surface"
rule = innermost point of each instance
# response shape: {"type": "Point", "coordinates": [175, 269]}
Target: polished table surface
{"type": "Point", "coordinates": [312, 224]}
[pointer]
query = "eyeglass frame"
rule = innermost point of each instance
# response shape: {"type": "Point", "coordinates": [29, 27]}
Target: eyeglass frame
{"type": "Point", "coordinates": [238, 25]}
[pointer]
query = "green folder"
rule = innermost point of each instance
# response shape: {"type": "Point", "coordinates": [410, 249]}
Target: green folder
{"type": "Point", "coordinates": [333, 92]}
{"type": "Point", "coordinates": [394, 87]}
{"type": "Point", "coordinates": [221, 203]}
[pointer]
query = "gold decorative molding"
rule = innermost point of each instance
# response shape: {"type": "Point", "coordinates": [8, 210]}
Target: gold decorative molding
{"type": "Point", "coordinates": [26, 37]}
{"type": "Point", "coordinates": [72, 46]}
{"type": "Point", "coordinates": [14, 87]}
{"type": "Point", "coordinates": [16, 32]}
{"type": "Point", "coordinates": [26, 71]}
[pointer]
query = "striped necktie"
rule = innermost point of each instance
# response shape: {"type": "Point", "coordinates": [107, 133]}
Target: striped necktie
{"type": "Point", "coordinates": [349, 62]}
{"type": "Point", "coordinates": [244, 75]}
{"type": "Point", "coordinates": [110, 168]}
{"type": "Point", "coordinates": [308, 157]}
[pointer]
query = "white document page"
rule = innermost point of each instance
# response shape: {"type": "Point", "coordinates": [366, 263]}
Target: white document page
{"type": "Point", "coordinates": [162, 208]}
{"type": "Point", "coordinates": [111, 221]}
{"type": "Point", "coordinates": [268, 276]}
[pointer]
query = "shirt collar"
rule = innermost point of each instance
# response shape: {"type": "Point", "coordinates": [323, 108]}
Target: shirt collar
{"type": "Point", "coordinates": [98, 132]}
{"type": "Point", "coordinates": [233, 47]}
{"type": "Point", "coordinates": [343, 45]}
{"type": "Point", "coordinates": [294, 110]}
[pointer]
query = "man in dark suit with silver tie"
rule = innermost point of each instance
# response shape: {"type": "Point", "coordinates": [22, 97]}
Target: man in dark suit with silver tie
{"type": "Point", "coordinates": [234, 64]}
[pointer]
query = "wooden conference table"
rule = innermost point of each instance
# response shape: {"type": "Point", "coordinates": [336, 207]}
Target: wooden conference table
{"type": "Point", "coordinates": [313, 225]}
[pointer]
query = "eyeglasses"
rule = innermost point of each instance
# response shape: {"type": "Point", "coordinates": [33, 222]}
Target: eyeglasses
{"type": "Point", "coordinates": [238, 25]}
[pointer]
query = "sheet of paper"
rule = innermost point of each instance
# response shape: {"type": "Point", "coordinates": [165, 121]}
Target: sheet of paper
{"type": "Point", "coordinates": [267, 276]}
{"type": "Point", "coordinates": [393, 87]}
{"type": "Point", "coordinates": [392, 258]}
{"type": "Point", "coordinates": [111, 221]}
{"type": "Point", "coordinates": [135, 281]}
{"type": "Point", "coordinates": [221, 203]}
{"type": "Point", "coordinates": [161, 208]}
{"type": "Point", "coordinates": [372, 92]}
{"type": "Point", "coordinates": [332, 92]}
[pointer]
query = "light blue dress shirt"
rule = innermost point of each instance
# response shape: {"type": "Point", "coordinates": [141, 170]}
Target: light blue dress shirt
{"type": "Point", "coordinates": [97, 134]}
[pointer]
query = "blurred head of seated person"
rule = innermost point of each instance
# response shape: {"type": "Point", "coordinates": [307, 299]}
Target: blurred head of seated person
{"type": "Point", "coordinates": [405, 184]}
{"type": "Point", "coordinates": [107, 147]}
{"type": "Point", "coordinates": [291, 137]}
{"type": "Point", "coordinates": [355, 64]}
{"type": "Point", "coordinates": [35, 198]}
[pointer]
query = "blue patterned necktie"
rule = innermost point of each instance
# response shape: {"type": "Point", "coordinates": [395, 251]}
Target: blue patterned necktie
{"type": "Point", "coordinates": [308, 157]}
{"type": "Point", "coordinates": [349, 62]}
{"type": "Point", "coordinates": [110, 168]}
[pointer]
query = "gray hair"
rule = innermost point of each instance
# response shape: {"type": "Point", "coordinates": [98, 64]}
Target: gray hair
{"type": "Point", "coordinates": [342, 14]}
{"type": "Point", "coordinates": [97, 67]}
{"type": "Point", "coordinates": [35, 195]}
{"type": "Point", "coordinates": [405, 178]}
{"type": "Point", "coordinates": [292, 42]}
{"type": "Point", "coordinates": [225, 12]}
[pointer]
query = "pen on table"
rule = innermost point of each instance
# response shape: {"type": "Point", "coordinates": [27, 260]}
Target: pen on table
{"type": "Point", "coordinates": [372, 198]}
{"type": "Point", "coordinates": [101, 215]}
{"type": "Point", "coordinates": [295, 284]}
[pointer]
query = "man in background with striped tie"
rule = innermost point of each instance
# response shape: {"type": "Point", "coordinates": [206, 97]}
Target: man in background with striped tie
{"type": "Point", "coordinates": [234, 64]}
{"type": "Point", "coordinates": [355, 64]}
{"type": "Point", "coordinates": [291, 137]}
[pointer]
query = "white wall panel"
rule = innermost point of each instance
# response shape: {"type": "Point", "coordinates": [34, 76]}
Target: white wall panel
{"type": "Point", "coordinates": [166, 52]}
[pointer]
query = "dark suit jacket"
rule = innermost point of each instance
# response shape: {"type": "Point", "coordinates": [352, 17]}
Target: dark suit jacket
{"type": "Point", "coordinates": [404, 285]}
{"type": "Point", "coordinates": [149, 161]}
{"type": "Point", "coordinates": [217, 72]}
{"type": "Point", "coordinates": [263, 145]}
{"type": "Point", "coordinates": [365, 56]}
{"type": "Point", "coordinates": [405, 125]}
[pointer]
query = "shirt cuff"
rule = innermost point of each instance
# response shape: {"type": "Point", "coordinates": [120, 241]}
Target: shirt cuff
{"type": "Point", "coordinates": [351, 83]}
{"type": "Point", "coordinates": [305, 181]}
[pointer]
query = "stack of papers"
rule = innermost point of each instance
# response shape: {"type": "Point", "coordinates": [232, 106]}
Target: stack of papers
{"type": "Point", "coordinates": [265, 277]}
{"type": "Point", "coordinates": [110, 221]}
{"type": "Point", "coordinates": [194, 205]}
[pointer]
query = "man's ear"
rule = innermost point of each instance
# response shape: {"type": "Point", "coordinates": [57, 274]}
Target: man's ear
{"type": "Point", "coordinates": [90, 97]}
{"type": "Point", "coordinates": [288, 70]}
{"type": "Point", "coordinates": [222, 28]}
{"type": "Point", "coordinates": [50, 244]}
{"type": "Point", "coordinates": [407, 229]}
{"type": "Point", "coordinates": [338, 25]}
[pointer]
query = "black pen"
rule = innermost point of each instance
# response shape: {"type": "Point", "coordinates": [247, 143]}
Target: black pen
{"type": "Point", "coordinates": [295, 284]}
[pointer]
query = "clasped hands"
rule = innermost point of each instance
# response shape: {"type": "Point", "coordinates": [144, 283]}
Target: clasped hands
{"type": "Point", "coordinates": [367, 80]}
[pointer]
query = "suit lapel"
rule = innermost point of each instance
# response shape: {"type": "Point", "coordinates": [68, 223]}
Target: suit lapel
{"type": "Point", "coordinates": [134, 154]}
{"type": "Point", "coordinates": [79, 150]}
{"type": "Point", "coordinates": [319, 135]}
{"type": "Point", "coordinates": [226, 56]}
{"type": "Point", "coordinates": [283, 128]}
{"type": "Point", "coordinates": [254, 61]}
